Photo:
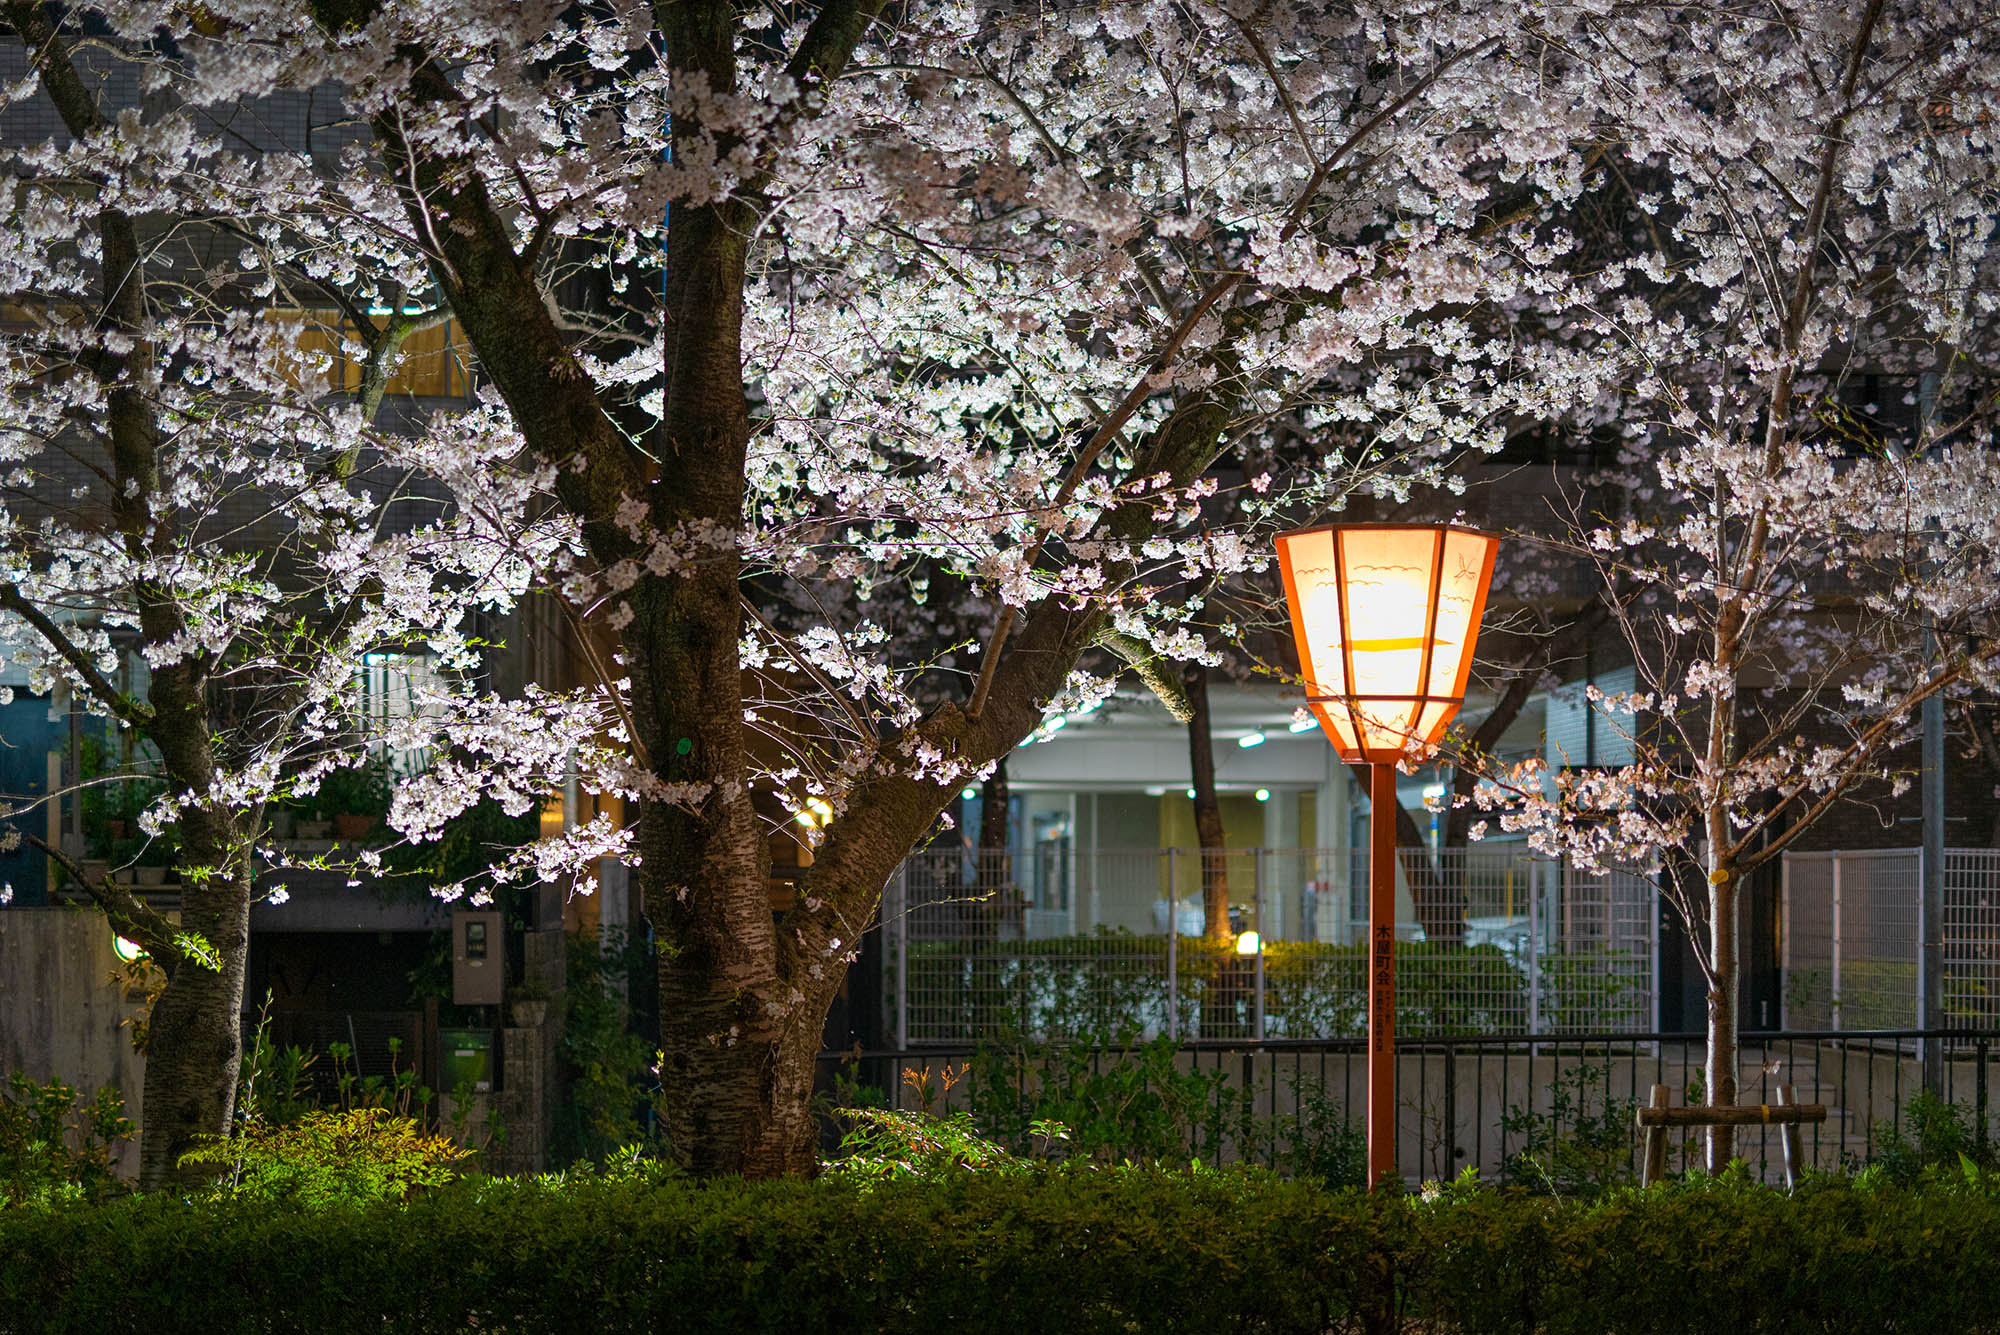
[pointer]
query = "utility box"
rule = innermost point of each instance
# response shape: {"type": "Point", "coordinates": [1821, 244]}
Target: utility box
{"type": "Point", "coordinates": [466, 1060]}
{"type": "Point", "coordinates": [478, 957]}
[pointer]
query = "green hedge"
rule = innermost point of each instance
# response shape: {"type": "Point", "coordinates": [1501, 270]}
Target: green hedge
{"type": "Point", "coordinates": [1043, 1251]}
{"type": "Point", "coordinates": [1114, 982]}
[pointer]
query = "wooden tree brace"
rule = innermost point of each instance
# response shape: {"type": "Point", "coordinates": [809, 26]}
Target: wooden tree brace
{"type": "Point", "coordinates": [1749, 1114]}
{"type": "Point", "coordinates": [1656, 1118]}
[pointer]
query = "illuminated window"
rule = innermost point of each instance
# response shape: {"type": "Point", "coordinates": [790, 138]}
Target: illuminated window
{"type": "Point", "coordinates": [433, 363]}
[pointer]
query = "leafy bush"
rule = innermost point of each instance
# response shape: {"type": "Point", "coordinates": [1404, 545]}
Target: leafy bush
{"type": "Point", "coordinates": [883, 1142]}
{"type": "Point", "coordinates": [1935, 1135]}
{"type": "Point", "coordinates": [609, 1112]}
{"type": "Point", "coordinates": [362, 789]}
{"type": "Point", "coordinates": [1138, 1105]}
{"type": "Point", "coordinates": [1581, 1146]}
{"type": "Point", "coordinates": [1115, 981]}
{"type": "Point", "coordinates": [55, 1148]}
{"type": "Point", "coordinates": [1048, 1250]}
{"type": "Point", "coordinates": [328, 1157]}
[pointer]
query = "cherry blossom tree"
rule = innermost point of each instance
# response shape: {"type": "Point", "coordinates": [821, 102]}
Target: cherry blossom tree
{"type": "Point", "coordinates": [786, 310]}
{"type": "Point", "coordinates": [203, 546]}
{"type": "Point", "coordinates": [1801, 532]}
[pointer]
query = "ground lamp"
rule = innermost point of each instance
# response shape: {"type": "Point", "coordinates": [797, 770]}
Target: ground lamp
{"type": "Point", "coordinates": [1385, 616]}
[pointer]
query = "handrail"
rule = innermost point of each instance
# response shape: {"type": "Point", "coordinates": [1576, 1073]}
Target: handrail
{"type": "Point", "coordinates": [1439, 1041]}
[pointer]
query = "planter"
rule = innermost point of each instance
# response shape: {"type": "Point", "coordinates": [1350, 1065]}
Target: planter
{"type": "Point", "coordinates": [529, 1014]}
{"type": "Point", "coordinates": [350, 826]}
{"type": "Point", "coordinates": [117, 827]}
{"type": "Point", "coordinates": [313, 829]}
{"type": "Point", "coordinates": [151, 875]}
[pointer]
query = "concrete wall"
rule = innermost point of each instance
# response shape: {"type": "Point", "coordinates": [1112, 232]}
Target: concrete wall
{"type": "Point", "coordinates": [61, 1014]}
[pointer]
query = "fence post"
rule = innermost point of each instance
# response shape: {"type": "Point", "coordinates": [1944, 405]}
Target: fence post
{"type": "Point", "coordinates": [1979, 1091]}
{"type": "Point", "coordinates": [1173, 945]}
{"type": "Point", "coordinates": [900, 899]}
{"type": "Point", "coordinates": [1785, 938]}
{"type": "Point", "coordinates": [1257, 1019]}
{"type": "Point", "coordinates": [1257, 870]}
{"type": "Point", "coordinates": [1534, 945]}
{"type": "Point", "coordinates": [1930, 921]}
{"type": "Point", "coordinates": [1833, 1004]}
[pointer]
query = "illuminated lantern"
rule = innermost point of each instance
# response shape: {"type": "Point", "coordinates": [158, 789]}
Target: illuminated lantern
{"type": "Point", "coordinates": [1386, 617]}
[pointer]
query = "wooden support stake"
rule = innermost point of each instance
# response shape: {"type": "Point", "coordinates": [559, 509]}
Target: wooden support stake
{"type": "Point", "coordinates": [1746, 1114]}
{"type": "Point", "coordinates": [1655, 1166]}
{"type": "Point", "coordinates": [1789, 1138]}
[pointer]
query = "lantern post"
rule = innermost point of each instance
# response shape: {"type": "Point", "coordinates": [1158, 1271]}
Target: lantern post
{"type": "Point", "coordinates": [1386, 617]}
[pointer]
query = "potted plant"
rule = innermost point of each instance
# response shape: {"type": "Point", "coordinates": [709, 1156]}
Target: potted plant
{"type": "Point", "coordinates": [358, 796]}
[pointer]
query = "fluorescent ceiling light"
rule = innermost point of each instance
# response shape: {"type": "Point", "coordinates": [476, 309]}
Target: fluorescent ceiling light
{"type": "Point", "coordinates": [1250, 739]}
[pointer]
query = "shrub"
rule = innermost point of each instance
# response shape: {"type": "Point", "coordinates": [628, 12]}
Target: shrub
{"type": "Point", "coordinates": [1935, 1135]}
{"type": "Point", "coordinates": [54, 1146]}
{"type": "Point", "coordinates": [1046, 1250]}
{"type": "Point", "coordinates": [1114, 981]}
{"type": "Point", "coordinates": [1120, 1100]}
{"type": "Point", "coordinates": [358, 1154]}
{"type": "Point", "coordinates": [1581, 1146]}
{"type": "Point", "coordinates": [607, 1068]}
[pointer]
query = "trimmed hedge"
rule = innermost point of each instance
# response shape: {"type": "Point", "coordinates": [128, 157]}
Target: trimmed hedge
{"type": "Point", "coordinates": [1044, 1251]}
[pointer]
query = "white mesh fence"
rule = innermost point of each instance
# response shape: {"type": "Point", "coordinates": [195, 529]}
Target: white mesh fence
{"type": "Point", "coordinates": [1114, 944]}
{"type": "Point", "coordinates": [1851, 939]}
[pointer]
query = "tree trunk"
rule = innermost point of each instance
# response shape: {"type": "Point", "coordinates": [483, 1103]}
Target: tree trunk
{"type": "Point", "coordinates": [194, 1042]}
{"type": "Point", "coordinates": [1720, 1071]}
{"type": "Point", "coordinates": [742, 996]}
{"type": "Point", "coordinates": [1207, 809]}
{"type": "Point", "coordinates": [194, 1045]}
{"type": "Point", "coordinates": [994, 801]}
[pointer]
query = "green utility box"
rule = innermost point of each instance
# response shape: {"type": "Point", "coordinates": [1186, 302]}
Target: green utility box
{"type": "Point", "coordinates": [466, 1058]}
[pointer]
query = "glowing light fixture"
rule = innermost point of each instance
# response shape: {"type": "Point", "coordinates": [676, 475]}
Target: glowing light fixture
{"type": "Point", "coordinates": [969, 794]}
{"type": "Point", "coordinates": [1250, 739]}
{"type": "Point", "coordinates": [1263, 794]}
{"type": "Point", "coordinates": [1386, 617]}
{"type": "Point", "coordinates": [1302, 725]}
{"type": "Point", "coordinates": [1190, 794]}
{"type": "Point", "coordinates": [1248, 944]}
{"type": "Point", "coordinates": [127, 951]}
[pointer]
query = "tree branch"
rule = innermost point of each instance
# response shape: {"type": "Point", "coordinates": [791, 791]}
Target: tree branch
{"type": "Point", "coordinates": [131, 915]}
{"type": "Point", "coordinates": [121, 706]}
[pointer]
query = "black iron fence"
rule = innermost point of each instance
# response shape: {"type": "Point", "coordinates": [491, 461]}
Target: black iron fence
{"type": "Point", "coordinates": [1509, 1105]}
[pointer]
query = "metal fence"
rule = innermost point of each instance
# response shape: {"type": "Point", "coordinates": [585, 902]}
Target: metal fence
{"type": "Point", "coordinates": [1066, 943]}
{"type": "Point", "coordinates": [1486, 1100]}
{"type": "Point", "coordinates": [1851, 944]}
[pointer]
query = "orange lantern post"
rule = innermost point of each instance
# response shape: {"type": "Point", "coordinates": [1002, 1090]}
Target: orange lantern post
{"type": "Point", "coordinates": [1386, 616]}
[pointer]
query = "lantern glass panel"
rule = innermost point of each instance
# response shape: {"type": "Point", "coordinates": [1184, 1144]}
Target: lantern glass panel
{"type": "Point", "coordinates": [1388, 573]}
{"type": "Point", "coordinates": [1386, 618]}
